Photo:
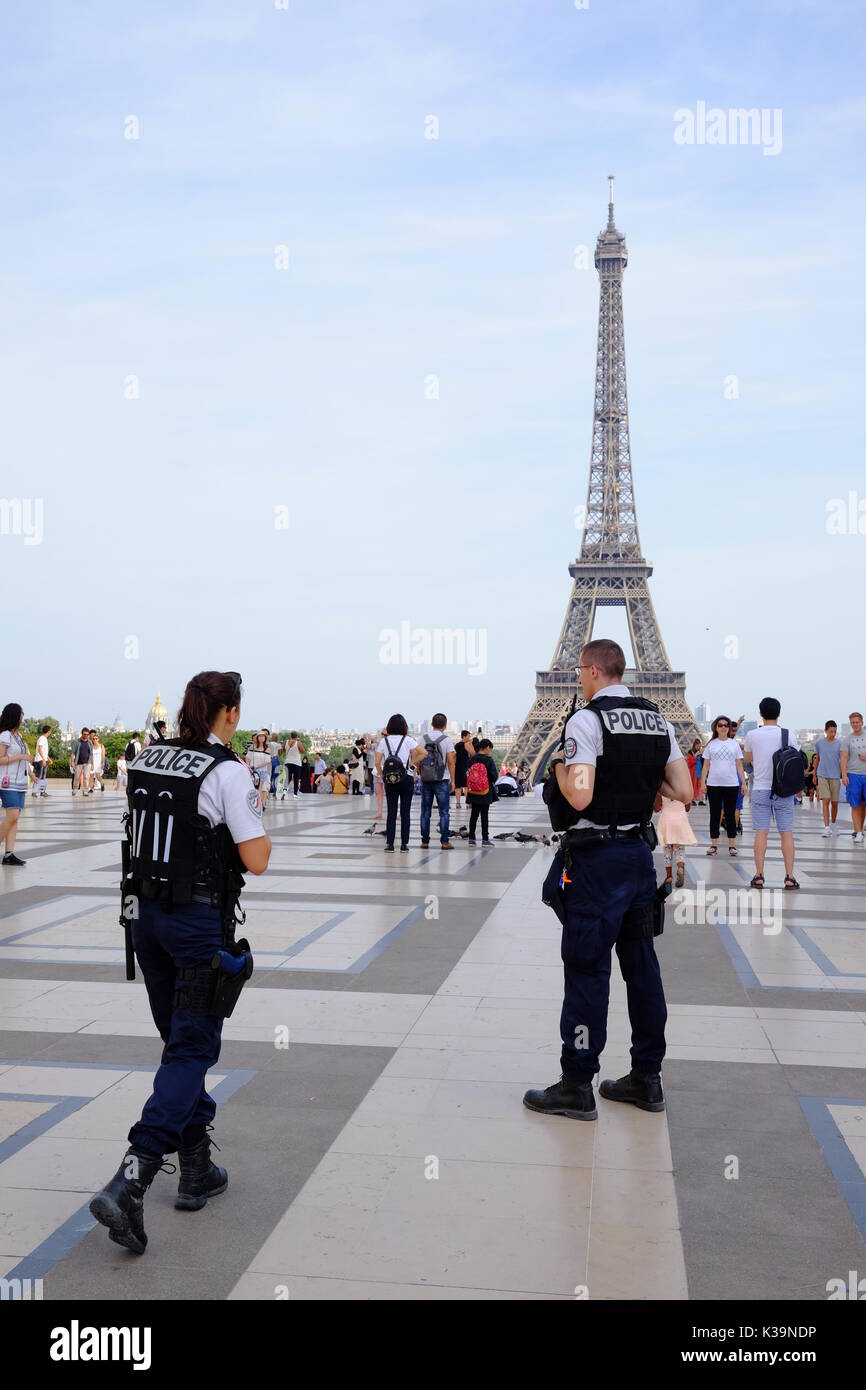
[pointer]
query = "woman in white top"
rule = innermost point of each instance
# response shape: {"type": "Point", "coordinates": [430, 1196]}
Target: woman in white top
{"type": "Point", "coordinates": [396, 744]}
{"type": "Point", "coordinates": [259, 759]}
{"type": "Point", "coordinates": [722, 777]}
{"type": "Point", "coordinates": [15, 763]}
{"type": "Point", "coordinates": [294, 757]}
{"type": "Point", "coordinates": [97, 764]}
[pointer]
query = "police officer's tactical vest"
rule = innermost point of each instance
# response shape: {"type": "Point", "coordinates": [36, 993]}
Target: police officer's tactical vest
{"type": "Point", "coordinates": [635, 749]}
{"type": "Point", "coordinates": [175, 854]}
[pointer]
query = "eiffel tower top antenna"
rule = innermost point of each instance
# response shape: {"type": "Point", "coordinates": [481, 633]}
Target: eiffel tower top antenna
{"type": "Point", "coordinates": [610, 222]}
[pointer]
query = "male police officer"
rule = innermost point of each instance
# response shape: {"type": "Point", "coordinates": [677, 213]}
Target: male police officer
{"type": "Point", "coordinates": [618, 752]}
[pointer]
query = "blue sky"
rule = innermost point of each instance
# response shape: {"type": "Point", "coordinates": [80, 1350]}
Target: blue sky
{"type": "Point", "coordinates": [409, 257]}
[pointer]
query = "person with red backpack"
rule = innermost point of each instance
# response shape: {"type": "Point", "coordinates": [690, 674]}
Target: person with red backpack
{"type": "Point", "coordinates": [481, 790]}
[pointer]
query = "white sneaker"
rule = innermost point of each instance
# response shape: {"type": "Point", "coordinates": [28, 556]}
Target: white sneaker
{"type": "Point", "coordinates": [858, 838]}
{"type": "Point", "coordinates": [826, 832]}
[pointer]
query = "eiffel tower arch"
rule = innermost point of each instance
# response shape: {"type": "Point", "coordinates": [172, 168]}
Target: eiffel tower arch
{"type": "Point", "coordinates": [610, 571]}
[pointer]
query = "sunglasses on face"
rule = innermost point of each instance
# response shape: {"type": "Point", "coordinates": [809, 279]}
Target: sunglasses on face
{"type": "Point", "coordinates": [235, 678]}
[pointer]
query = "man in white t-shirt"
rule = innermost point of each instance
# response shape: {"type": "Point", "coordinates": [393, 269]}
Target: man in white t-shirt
{"type": "Point", "coordinates": [759, 747]}
{"type": "Point", "coordinates": [42, 762]}
{"type": "Point", "coordinates": [442, 787]}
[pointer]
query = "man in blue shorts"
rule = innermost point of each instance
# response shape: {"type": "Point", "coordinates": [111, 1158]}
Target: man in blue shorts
{"type": "Point", "coordinates": [759, 747]}
{"type": "Point", "coordinates": [853, 765]}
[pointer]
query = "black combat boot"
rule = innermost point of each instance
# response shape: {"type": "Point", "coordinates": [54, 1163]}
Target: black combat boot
{"type": "Point", "coordinates": [120, 1204]}
{"type": "Point", "coordinates": [574, 1099]}
{"type": "Point", "coordinates": [199, 1177]}
{"type": "Point", "coordinates": [636, 1089]}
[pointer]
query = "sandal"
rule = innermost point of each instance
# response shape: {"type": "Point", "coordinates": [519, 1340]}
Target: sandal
{"type": "Point", "coordinates": [732, 851]}
{"type": "Point", "coordinates": [757, 881]}
{"type": "Point", "coordinates": [713, 849]}
{"type": "Point", "coordinates": [791, 882]}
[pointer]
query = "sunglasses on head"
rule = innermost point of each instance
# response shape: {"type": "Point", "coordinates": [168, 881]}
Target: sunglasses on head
{"type": "Point", "coordinates": [235, 678]}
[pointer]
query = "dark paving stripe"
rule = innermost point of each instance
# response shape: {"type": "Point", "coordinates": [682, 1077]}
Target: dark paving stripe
{"type": "Point", "coordinates": [782, 1228]}
{"type": "Point", "coordinates": [272, 1133]}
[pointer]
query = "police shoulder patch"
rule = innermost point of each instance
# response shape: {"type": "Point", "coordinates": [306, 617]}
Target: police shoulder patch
{"type": "Point", "coordinates": [254, 801]}
{"type": "Point", "coordinates": [570, 747]}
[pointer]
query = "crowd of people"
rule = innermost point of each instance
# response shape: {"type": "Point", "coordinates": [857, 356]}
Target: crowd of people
{"type": "Point", "coordinates": [726, 770]}
{"type": "Point", "coordinates": [392, 768]}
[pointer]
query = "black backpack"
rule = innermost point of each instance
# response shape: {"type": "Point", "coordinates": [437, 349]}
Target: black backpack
{"type": "Point", "coordinates": [433, 768]}
{"type": "Point", "coordinates": [130, 751]}
{"type": "Point", "coordinates": [789, 774]}
{"type": "Point", "coordinates": [393, 770]}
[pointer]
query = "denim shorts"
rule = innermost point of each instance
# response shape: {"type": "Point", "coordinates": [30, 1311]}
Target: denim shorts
{"type": "Point", "coordinates": [765, 806]}
{"type": "Point", "coordinates": [855, 792]}
{"type": "Point", "coordinates": [11, 799]}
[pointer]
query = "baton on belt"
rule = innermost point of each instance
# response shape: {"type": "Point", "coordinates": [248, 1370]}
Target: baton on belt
{"type": "Point", "coordinates": [124, 920]}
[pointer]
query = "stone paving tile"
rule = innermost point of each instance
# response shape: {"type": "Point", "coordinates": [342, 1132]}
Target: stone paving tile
{"type": "Point", "coordinates": [418, 1060]}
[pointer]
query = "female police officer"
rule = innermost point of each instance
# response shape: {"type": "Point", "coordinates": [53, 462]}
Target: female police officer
{"type": "Point", "coordinates": [194, 824]}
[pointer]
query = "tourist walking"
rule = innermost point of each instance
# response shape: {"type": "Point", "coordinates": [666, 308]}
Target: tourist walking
{"type": "Point", "coordinates": [378, 784]}
{"type": "Point", "coordinates": [481, 791]}
{"type": "Point", "coordinates": [122, 771]}
{"type": "Point", "coordinates": [674, 834]}
{"type": "Point", "coordinates": [812, 778]}
{"type": "Point", "coordinates": [773, 795]}
{"type": "Point", "coordinates": [829, 750]}
{"type": "Point", "coordinates": [435, 761]}
{"type": "Point", "coordinates": [42, 763]}
{"type": "Point", "coordinates": [259, 759]}
{"type": "Point", "coordinates": [294, 763]}
{"type": "Point", "coordinates": [79, 763]}
{"type": "Point", "coordinates": [358, 766]}
{"type": "Point", "coordinates": [853, 773]}
{"type": "Point", "coordinates": [15, 762]}
{"type": "Point", "coordinates": [695, 761]}
{"type": "Point", "coordinates": [393, 764]}
{"type": "Point", "coordinates": [97, 762]}
{"type": "Point", "coordinates": [462, 753]}
{"type": "Point", "coordinates": [721, 776]}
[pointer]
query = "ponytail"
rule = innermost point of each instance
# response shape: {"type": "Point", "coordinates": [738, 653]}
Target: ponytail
{"type": "Point", "coordinates": [205, 695]}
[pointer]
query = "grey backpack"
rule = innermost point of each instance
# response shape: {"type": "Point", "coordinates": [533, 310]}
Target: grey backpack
{"type": "Point", "coordinates": [433, 768]}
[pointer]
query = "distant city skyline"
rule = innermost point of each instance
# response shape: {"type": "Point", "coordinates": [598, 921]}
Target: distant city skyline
{"type": "Point", "coordinates": [301, 326]}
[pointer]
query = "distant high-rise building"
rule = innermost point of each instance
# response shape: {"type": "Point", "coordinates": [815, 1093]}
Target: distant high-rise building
{"type": "Point", "coordinates": [702, 713]}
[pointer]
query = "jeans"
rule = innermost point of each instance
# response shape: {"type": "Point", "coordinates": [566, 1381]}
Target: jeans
{"type": "Point", "coordinates": [442, 791]}
{"type": "Point", "coordinates": [178, 1112]}
{"type": "Point", "coordinates": [402, 796]}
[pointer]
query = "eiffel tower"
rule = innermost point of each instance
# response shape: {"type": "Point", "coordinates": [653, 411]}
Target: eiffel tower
{"type": "Point", "coordinates": [611, 572]}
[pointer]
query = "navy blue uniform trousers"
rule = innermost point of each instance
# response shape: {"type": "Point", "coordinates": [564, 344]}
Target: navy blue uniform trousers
{"type": "Point", "coordinates": [178, 1112]}
{"type": "Point", "coordinates": [607, 881]}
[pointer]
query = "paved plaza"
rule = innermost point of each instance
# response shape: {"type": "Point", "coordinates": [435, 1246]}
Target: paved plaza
{"type": "Point", "coordinates": [371, 1078]}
